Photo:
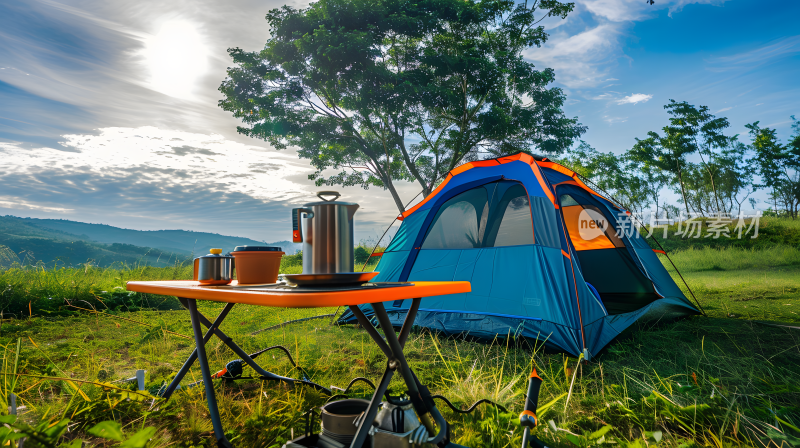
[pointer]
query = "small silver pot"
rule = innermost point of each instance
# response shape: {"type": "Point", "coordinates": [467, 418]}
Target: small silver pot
{"type": "Point", "coordinates": [214, 268]}
{"type": "Point", "coordinates": [338, 419]}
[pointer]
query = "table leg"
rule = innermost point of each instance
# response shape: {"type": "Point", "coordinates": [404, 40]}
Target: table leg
{"type": "Point", "coordinates": [380, 391]}
{"type": "Point", "coordinates": [372, 410]}
{"type": "Point", "coordinates": [397, 361]}
{"type": "Point", "coordinates": [409, 321]}
{"type": "Point", "coordinates": [201, 357]}
{"type": "Point", "coordinates": [399, 358]}
{"type": "Point", "coordinates": [427, 411]}
{"type": "Point", "coordinates": [241, 353]}
{"type": "Point", "coordinates": [188, 364]}
{"type": "Point", "coordinates": [371, 331]}
{"type": "Point", "coordinates": [247, 359]}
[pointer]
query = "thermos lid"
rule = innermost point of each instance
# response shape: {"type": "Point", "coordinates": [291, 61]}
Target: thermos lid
{"type": "Point", "coordinates": [257, 249]}
{"type": "Point", "coordinates": [322, 194]}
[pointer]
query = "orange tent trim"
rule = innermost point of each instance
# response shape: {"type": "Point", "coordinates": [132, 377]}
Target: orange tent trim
{"type": "Point", "coordinates": [483, 163]}
{"type": "Point", "coordinates": [575, 179]}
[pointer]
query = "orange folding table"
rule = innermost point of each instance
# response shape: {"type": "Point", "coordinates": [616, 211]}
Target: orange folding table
{"type": "Point", "coordinates": [281, 295]}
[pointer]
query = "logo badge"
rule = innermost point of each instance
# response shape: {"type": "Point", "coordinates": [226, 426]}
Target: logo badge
{"type": "Point", "coordinates": [591, 224]}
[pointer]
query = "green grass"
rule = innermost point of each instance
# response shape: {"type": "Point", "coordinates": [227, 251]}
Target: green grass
{"type": "Point", "coordinates": [772, 231]}
{"type": "Point", "coordinates": [733, 259]}
{"type": "Point", "coordinates": [39, 290]}
{"type": "Point", "coordinates": [720, 381]}
{"type": "Point", "coordinates": [742, 283]}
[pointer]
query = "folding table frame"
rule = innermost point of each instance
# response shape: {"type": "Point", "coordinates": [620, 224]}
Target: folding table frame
{"type": "Point", "coordinates": [391, 345]}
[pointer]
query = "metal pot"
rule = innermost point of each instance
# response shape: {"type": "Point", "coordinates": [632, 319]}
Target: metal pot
{"type": "Point", "coordinates": [339, 418]}
{"type": "Point", "coordinates": [214, 268]}
{"type": "Point", "coordinates": [326, 230]}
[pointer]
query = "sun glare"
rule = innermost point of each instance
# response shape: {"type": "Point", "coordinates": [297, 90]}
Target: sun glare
{"type": "Point", "coordinates": [177, 58]}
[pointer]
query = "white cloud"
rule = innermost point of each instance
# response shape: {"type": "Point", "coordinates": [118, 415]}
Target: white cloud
{"type": "Point", "coordinates": [635, 98]}
{"type": "Point", "coordinates": [636, 10]}
{"type": "Point", "coordinates": [723, 109]}
{"type": "Point", "coordinates": [580, 60]}
{"type": "Point", "coordinates": [148, 177]}
{"type": "Point", "coordinates": [612, 120]}
{"type": "Point", "coordinates": [18, 204]}
{"type": "Point", "coordinates": [167, 156]}
{"type": "Point", "coordinates": [154, 174]}
{"type": "Point", "coordinates": [617, 10]}
{"type": "Point", "coordinates": [753, 58]}
{"type": "Point", "coordinates": [583, 58]}
{"type": "Point", "coordinates": [677, 6]}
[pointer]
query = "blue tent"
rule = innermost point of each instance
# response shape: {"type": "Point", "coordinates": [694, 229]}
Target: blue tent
{"type": "Point", "coordinates": [548, 258]}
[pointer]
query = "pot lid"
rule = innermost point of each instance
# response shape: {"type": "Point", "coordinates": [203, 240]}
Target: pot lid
{"type": "Point", "coordinates": [257, 249]}
{"type": "Point", "coordinates": [215, 253]}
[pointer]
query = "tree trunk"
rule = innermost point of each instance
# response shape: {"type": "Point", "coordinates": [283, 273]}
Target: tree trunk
{"type": "Point", "coordinates": [395, 196]}
{"type": "Point", "coordinates": [413, 169]}
{"type": "Point", "coordinates": [716, 197]}
{"type": "Point", "coordinates": [711, 177]}
{"type": "Point", "coordinates": [683, 191]}
{"type": "Point", "coordinates": [385, 176]}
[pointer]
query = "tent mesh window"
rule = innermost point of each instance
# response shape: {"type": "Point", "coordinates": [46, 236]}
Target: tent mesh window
{"type": "Point", "coordinates": [492, 215]}
{"type": "Point", "coordinates": [511, 223]}
{"type": "Point", "coordinates": [460, 222]}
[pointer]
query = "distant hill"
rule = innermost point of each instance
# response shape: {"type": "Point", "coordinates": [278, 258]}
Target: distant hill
{"type": "Point", "coordinates": [72, 242]}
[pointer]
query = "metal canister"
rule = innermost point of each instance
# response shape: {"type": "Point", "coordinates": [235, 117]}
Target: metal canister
{"type": "Point", "coordinates": [214, 268]}
{"type": "Point", "coordinates": [326, 230]}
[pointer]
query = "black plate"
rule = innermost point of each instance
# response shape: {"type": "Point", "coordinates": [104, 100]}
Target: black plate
{"type": "Point", "coordinates": [340, 278]}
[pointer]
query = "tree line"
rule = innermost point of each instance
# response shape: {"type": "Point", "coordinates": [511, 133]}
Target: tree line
{"type": "Point", "coordinates": [381, 91]}
{"type": "Point", "coordinates": [711, 171]}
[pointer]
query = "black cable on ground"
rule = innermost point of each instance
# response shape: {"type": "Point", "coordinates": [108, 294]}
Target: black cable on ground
{"type": "Point", "coordinates": [400, 402]}
{"type": "Point", "coordinates": [274, 327]}
{"type": "Point", "coordinates": [471, 408]}
{"type": "Point", "coordinates": [288, 354]}
{"type": "Point", "coordinates": [355, 380]}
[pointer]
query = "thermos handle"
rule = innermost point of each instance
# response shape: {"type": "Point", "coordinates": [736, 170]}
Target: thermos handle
{"type": "Point", "coordinates": [297, 228]}
{"type": "Point", "coordinates": [320, 195]}
{"type": "Point", "coordinates": [196, 268]}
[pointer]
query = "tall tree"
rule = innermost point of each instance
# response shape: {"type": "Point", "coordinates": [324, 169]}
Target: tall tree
{"type": "Point", "coordinates": [616, 175]}
{"type": "Point", "coordinates": [778, 164]}
{"type": "Point", "coordinates": [704, 133]}
{"type": "Point", "coordinates": [735, 176]}
{"type": "Point", "coordinates": [654, 178]}
{"type": "Point", "coordinates": [691, 130]}
{"type": "Point", "coordinates": [388, 90]}
{"type": "Point", "coordinates": [665, 153]}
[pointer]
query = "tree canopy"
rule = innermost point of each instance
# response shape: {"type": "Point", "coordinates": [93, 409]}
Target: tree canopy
{"type": "Point", "coordinates": [778, 164]}
{"type": "Point", "coordinates": [388, 90]}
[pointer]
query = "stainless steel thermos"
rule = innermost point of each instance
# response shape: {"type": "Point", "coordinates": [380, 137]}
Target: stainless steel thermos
{"type": "Point", "coordinates": [326, 230]}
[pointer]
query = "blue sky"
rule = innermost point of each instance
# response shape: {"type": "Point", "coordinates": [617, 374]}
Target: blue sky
{"type": "Point", "coordinates": [108, 109]}
{"type": "Point", "coordinates": [740, 58]}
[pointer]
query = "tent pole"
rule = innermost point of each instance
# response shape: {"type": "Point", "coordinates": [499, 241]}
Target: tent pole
{"type": "Point", "coordinates": [385, 232]}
